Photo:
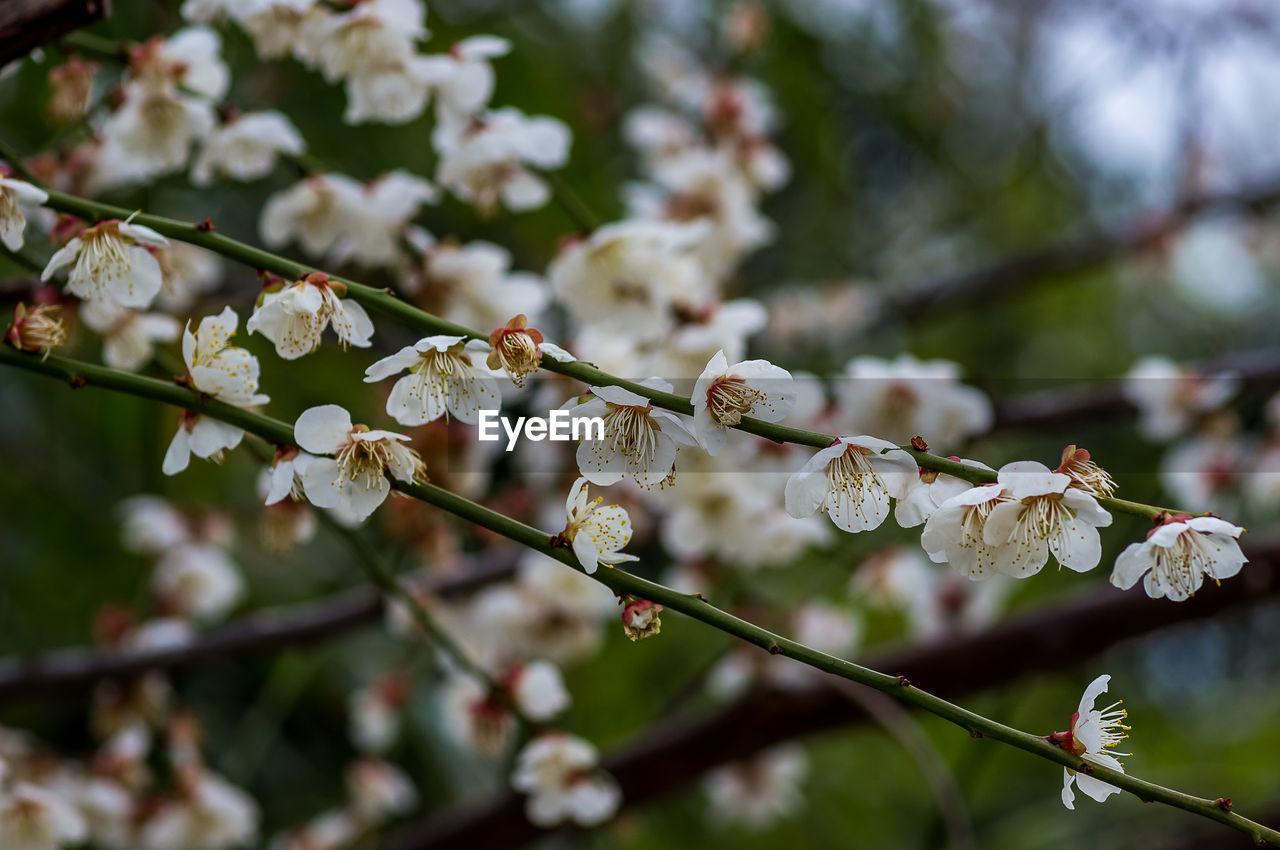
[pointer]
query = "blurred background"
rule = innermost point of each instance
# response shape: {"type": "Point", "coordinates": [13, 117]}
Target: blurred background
{"type": "Point", "coordinates": [1040, 193]}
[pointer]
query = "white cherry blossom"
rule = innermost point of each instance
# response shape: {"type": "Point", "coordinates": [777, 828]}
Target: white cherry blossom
{"type": "Point", "coordinates": [725, 393]}
{"type": "Point", "coordinates": [151, 134]}
{"type": "Point", "coordinates": [906, 397]}
{"type": "Point", "coordinates": [486, 161]}
{"type": "Point", "coordinates": [246, 147]}
{"type": "Point", "coordinates": [295, 317]}
{"type": "Point", "coordinates": [953, 533]}
{"type": "Point", "coordinates": [276, 25]}
{"type": "Point", "coordinates": [14, 195]}
{"type": "Point", "coordinates": [355, 478]}
{"type": "Point", "coordinates": [443, 380]}
{"type": "Point", "coordinates": [759, 792]}
{"type": "Point", "coordinates": [128, 337]}
{"type": "Point", "coordinates": [379, 791]}
{"type": "Point", "coordinates": [111, 262]}
{"type": "Point", "coordinates": [597, 534]}
{"type": "Point", "coordinates": [210, 814]}
{"type": "Point", "coordinates": [472, 284]}
{"type": "Point", "coordinates": [1093, 734]}
{"type": "Point", "coordinates": [1169, 398]}
{"type": "Point", "coordinates": [1046, 514]}
{"type": "Point", "coordinates": [360, 41]}
{"type": "Point", "coordinates": [1178, 554]}
{"type": "Point", "coordinates": [559, 773]}
{"type": "Point", "coordinates": [852, 481]}
{"type": "Point", "coordinates": [385, 209]}
{"type": "Point", "coordinates": [929, 492]}
{"type": "Point", "coordinates": [394, 91]}
{"type": "Point", "coordinates": [538, 688]}
{"type": "Point", "coordinates": [315, 212]}
{"type": "Point", "coordinates": [35, 818]}
{"type": "Point", "coordinates": [639, 441]}
{"type": "Point", "coordinates": [198, 581]}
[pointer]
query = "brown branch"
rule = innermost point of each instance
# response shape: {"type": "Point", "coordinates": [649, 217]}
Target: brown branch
{"type": "Point", "coordinates": [678, 752]}
{"type": "Point", "coordinates": [28, 24]}
{"type": "Point", "coordinates": [1077, 402]}
{"type": "Point", "coordinates": [1086, 250]}
{"type": "Point", "coordinates": [73, 670]}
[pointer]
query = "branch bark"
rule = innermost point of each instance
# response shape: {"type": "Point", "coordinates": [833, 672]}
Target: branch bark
{"type": "Point", "coordinates": [71, 671]}
{"type": "Point", "coordinates": [28, 24]}
{"type": "Point", "coordinates": [678, 752]}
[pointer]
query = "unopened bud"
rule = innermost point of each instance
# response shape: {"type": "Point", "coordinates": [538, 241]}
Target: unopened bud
{"type": "Point", "coordinates": [37, 329]}
{"type": "Point", "coordinates": [640, 619]}
{"type": "Point", "coordinates": [515, 349]}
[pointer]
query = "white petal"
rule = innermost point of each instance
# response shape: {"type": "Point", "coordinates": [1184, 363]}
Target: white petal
{"type": "Point", "coordinates": [322, 430]}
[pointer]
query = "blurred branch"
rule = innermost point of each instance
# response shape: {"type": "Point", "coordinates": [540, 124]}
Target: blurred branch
{"type": "Point", "coordinates": [1080, 402]}
{"type": "Point", "coordinates": [73, 670]}
{"type": "Point", "coordinates": [672, 755]}
{"type": "Point", "coordinates": [1085, 250]}
{"type": "Point", "coordinates": [28, 24]}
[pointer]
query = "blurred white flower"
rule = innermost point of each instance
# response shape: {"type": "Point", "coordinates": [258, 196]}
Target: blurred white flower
{"type": "Point", "coordinates": [1178, 554]}
{"type": "Point", "coordinates": [904, 398]}
{"type": "Point", "coordinates": [538, 688]}
{"type": "Point", "coordinates": [379, 791]}
{"type": "Point", "coordinates": [197, 581]}
{"type": "Point", "coordinates": [128, 337]}
{"type": "Point", "coordinates": [111, 262]}
{"type": "Point", "coordinates": [149, 525]}
{"type": "Point", "coordinates": [210, 814]}
{"type": "Point", "coordinates": [189, 271]}
{"type": "Point", "coordinates": [386, 207]}
{"type": "Point", "coordinates": [472, 284]}
{"type": "Point", "coordinates": [363, 39]}
{"type": "Point", "coordinates": [151, 134]}
{"type": "Point", "coordinates": [462, 78]}
{"type": "Point", "coordinates": [852, 481]}
{"type": "Point", "coordinates": [560, 775]}
{"type": "Point", "coordinates": [486, 161]}
{"type": "Point", "coordinates": [315, 212]}
{"type": "Point", "coordinates": [443, 380]}
{"type": "Point", "coordinates": [356, 477]}
{"type": "Point", "coordinates": [294, 317]}
{"type": "Point", "coordinates": [1169, 397]}
{"type": "Point", "coordinates": [33, 818]}
{"type": "Point", "coordinates": [375, 713]}
{"type": "Point", "coordinates": [757, 793]}
{"type": "Point", "coordinates": [246, 147]}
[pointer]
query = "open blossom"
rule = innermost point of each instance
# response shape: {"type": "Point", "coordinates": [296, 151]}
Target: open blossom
{"type": "Point", "coordinates": [929, 492]}
{"type": "Point", "coordinates": [394, 91]}
{"type": "Point", "coordinates": [190, 58]}
{"type": "Point", "coordinates": [356, 476]}
{"type": "Point", "coordinates": [954, 532]}
{"type": "Point", "coordinates": [316, 212]}
{"type": "Point", "coordinates": [485, 162]}
{"type": "Point", "coordinates": [471, 284]}
{"type": "Point", "coordinates": [559, 773]}
{"type": "Point", "coordinates": [724, 394]}
{"type": "Point", "coordinates": [1177, 555]}
{"type": "Point", "coordinates": [639, 440]}
{"type": "Point", "coordinates": [128, 337]}
{"type": "Point", "coordinates": [14, 195]}
{"type": "Point", "coordinates": [110, 262]}
{"type": "Point", "coordinates": [246, 147]}
{"type": "Point", "coordinates": [361, 40]}
{"type": "Point", "coordinates": [1169, 398]}
{"type": "Point", "coordinates": [33, 818]}
{"type": "Point", "coordinates": [852, 481]}
{"type": "Point", "coordinates": [295, 317]}
{"type": "Point", "coordinates": [221, 370]}
{"type": "Point", "coordinates": [443, 380]}
{"type": "Point", "coordinates": [1046, 515]}
{"type": "Point", "coordinates": [1092, 734]}
{"type": "Point", "coordinates": [597, 534]}
{"type": "Point", "coordinates": [37, 329]}
{"type": "Point", "coordinates": [379, 791]}
{"type": "Point", "coordinates": [385, 207]}
{"type": "Point", "coordinates": [1078, 465]}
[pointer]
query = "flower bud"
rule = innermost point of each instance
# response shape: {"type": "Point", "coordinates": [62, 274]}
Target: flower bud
{"type": "Point", "coordinates": [1084, 473]}
{"type": "Point", "coordinates": [640, 619]}
{"type": "Point", "coordinates": [37, 329]}
{"type": "Point", "coordinates": [515, 349]}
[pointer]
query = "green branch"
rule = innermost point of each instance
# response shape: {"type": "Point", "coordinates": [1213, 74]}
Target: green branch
{"type": "Point", "coordinates": [692, 605]}
{"type": "Point", "coordinates": [384, 301]}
